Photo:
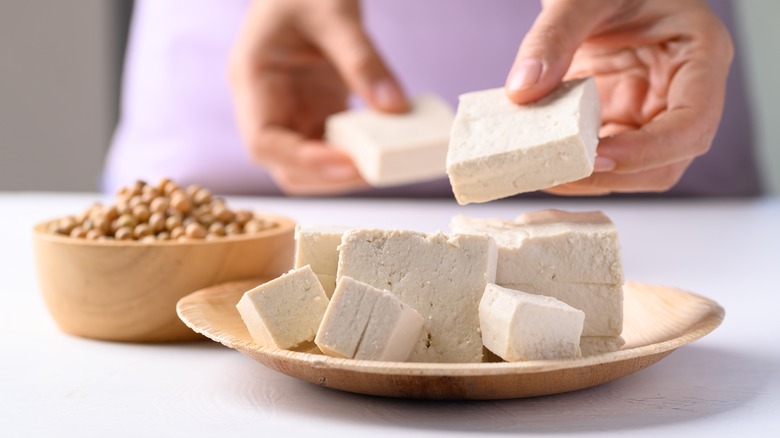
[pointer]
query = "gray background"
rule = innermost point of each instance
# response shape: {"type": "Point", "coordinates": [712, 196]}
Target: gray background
{"type": "Point", "coordinates": [60, 68]}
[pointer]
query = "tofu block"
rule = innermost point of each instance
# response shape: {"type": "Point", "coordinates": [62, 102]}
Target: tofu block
{"type": "Point", "coordinates": [395, 149]}
{"type": "Point", "coordinates": [317, 246]}
{"type": "Point", "coordinates": [286, 311]}
{"type": "Point", "coordinates": [593, 345]}
{"type": "Point", "coordinates": [441, 277]}
{"type": "Point", "coordinates": [328, 283]}
{"type": "Point", "coordinates": [602, 303]}
{"type": "Point", "coordinates": [520, 326]}
{"type": "Point", "coordinates": [551, 245]}
{"type": "Point", "coordinates": [499, 149]}
{"type": "Point", "coordinates": [363, 322]}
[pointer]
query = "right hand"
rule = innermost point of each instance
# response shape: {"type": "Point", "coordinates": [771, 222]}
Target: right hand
{"type": "Point", "coordinates": [661, 69]}
{"type": "Point", "coordinates": [291, 67]}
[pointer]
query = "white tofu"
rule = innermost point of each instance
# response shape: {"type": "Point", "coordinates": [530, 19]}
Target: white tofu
{"type": "Point", "coordinates": [317, 246]}
{"type": "Point", "coordinates": [593, 345]}
{"type": "Point", "coordinates": [551, 245]}
{"type": "Point", "coordinates": [394, 149]}
{"type": "Point", "coordinates": [328, 283]}
{"type": "Point", "coordinates": [521, 326]}
{"type": "Point", "coordinates": [602, 303]}
{"type": "Point", "coordinates": [499, 149]}
{"type": "Point", "coordinates": [363, 322]}
{"type": "Point", "coordinates": [286, 311]}
{"type": "Point", "coordinates": [441, 277]}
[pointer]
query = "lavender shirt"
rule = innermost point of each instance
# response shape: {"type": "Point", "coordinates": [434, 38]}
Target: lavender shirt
{"type": "Point", "coordinates": [177, 118]}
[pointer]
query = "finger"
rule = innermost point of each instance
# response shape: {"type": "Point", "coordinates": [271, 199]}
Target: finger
{"type": "Point", "coordinates": [317, 176]}
{"type": "Point", "coordinates": [298, 166]}
{"type": "Point", "coordinates": [263, 110]}
{"type": "Point", "coordinates": [655, 180]}
{"type": "Point", "coordinates": [549, 46]}
{"type": "Point", "coordinates": [301, 167]}
{"type": "Point", "coordinates": [346, 44]}
{"type": "Point", "coordinates": [565, 190]}
{"type": "Point", "coordinates": [301, 161]}
{"type": "Point", "coordinates": [291, 184]}
{"type": "Point", "coordinates": [684, 131]}
{"type": "Point", "coordinates": [610, 129]}
{"type": "Point", "coordinates": [695, 98]}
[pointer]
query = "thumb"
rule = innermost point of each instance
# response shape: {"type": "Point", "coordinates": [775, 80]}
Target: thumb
{"type": "Point", "coordinates": [547, 50]}
{"type": "Point", "coordinates": [358, 62]}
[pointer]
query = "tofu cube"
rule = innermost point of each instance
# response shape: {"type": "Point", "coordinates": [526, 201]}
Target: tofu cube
{"type": "Point", "coordinates": [317, 246]}
{"type": "Point", "coordinates": [602, 303]}
{"type": "Point", "coordinates": [441, 277]}
{"type": "Point", "coordinates": [593, 345]}
{"type": "Point", "coordinates": [284, 312]}
{"type": "Point", "coordinates": [499, 149]}
{"type": "Point", "coordinates": [363, 322]}
{"type": "Point", "coordinates": [551, 245]}
{"type": "Point", "coordinates": [395, 149]}
{"type": "Point", "coordinates": [328, 283]}
{"type": "Point", "coordinates": [520, 326]}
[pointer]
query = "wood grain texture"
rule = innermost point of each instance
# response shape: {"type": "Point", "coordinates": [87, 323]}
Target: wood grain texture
{"type": "Point", "coordinates": [658, 320]}
{"type": "Point", "coordinates": [127, 290]}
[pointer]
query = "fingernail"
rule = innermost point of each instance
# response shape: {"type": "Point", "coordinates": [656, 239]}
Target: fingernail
{"type": "Point", "coordinates": [388, 97]}
{"type": "Point", "coordinates": [525, 75]}
{"type": "Point", "coordinates": [604, 164]}
{"type": "Point", "coordinates": [339, 172]}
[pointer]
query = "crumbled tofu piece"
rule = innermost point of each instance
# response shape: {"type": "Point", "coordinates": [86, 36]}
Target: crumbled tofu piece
{"type": "Point", "coordinates": [521, 326]}
{"type": "Point", "coordinates": [363, 322]}
{"type": "Point", "coordinates": [551, 245]}
{"type": "Point", "coordinates": [593, 345]}
{"type": "Point", "coordinates": [286, 311]}
{"type": "Point", "coordinates": [317, 246]}
{"type": "Point", "coordinates": [499, 149]}
{"type": "Point", "coordinates": [441, 277]}
{"type": "Point", "coordinates": [394, 149]}
{"type": "Point", "coordinates": [602, 303]}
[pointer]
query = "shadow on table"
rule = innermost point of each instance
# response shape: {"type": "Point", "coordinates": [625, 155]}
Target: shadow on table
{"type": "Point", "coordinates": [691, 384]}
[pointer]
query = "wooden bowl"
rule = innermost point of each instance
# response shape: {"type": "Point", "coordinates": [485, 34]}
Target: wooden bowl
{"type": "Point", "coordinates": [658, 320]}
{"type": "Point", "coordinates": [127, 290]}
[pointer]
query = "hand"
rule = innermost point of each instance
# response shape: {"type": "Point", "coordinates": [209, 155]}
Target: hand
{"type": "Point", "coordinates": [291, 68]}
{"type": "Point", "coordinates": [660, 67]}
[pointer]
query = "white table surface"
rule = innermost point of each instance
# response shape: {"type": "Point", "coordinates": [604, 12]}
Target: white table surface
{"type": "Point", "coordinates": [725, 384]}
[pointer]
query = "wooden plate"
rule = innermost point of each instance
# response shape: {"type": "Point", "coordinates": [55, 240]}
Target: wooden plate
{"type": "Point", "coordinates": [658, 320]}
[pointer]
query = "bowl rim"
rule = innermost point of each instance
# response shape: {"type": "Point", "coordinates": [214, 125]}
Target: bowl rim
{"type": "Point", "coordinates": [286, 224]}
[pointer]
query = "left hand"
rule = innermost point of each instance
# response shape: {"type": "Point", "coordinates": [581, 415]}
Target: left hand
{"type": "Point", "coordinates": [660, 67]}
{"type": "Point", "coordinates": [292, 67]}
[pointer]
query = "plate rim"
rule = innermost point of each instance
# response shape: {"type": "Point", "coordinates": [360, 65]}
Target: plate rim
{"type": "Point", "coordinates": [714, 317]}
